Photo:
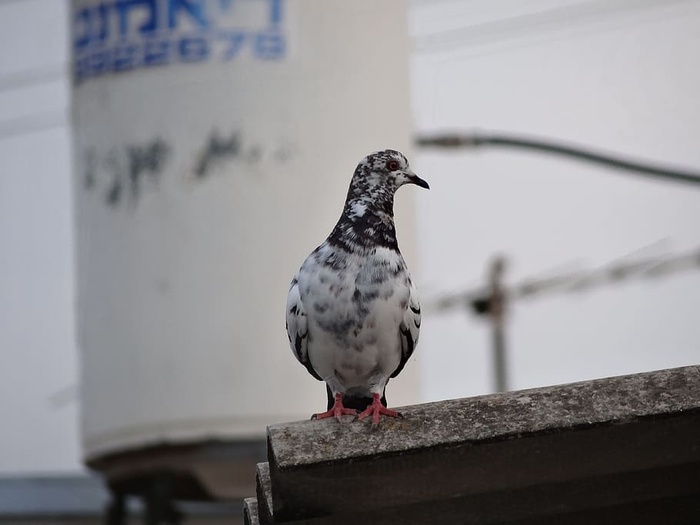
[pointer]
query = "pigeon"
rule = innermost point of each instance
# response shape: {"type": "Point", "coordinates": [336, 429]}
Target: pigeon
{"type": "Point", "coordinates": [353, 315]}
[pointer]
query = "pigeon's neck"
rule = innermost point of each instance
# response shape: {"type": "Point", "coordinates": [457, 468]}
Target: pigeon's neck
{"type": "Point", "coordinates": [367, 222]}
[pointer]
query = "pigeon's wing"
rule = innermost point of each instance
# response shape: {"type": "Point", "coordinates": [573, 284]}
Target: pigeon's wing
{"type": "Point", "coordinates": [409, 329]}
{"type": "Point", "coordinates": [297, 327]}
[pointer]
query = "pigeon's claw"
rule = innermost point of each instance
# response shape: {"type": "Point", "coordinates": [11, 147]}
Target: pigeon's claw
{"type": "Point", "coordinates": [376, 409]}
{"type": "Point", "coordinates": [336, 411]}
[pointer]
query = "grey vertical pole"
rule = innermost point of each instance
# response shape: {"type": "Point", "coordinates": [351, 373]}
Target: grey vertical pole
{"type": "Point", "coordinates": [498, 312]}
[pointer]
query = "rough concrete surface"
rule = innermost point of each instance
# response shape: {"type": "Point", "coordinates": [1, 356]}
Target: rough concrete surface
{"type": "Point", "coordinates": [596, 450]}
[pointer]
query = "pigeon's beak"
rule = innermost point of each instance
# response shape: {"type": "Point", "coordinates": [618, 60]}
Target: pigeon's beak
{"type": "Point", "coordinates": [415, 179]}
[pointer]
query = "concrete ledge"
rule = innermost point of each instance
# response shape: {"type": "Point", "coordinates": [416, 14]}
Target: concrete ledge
{"type": "Point", "coordinates": [578, 450]}
{"type": "Point", "coordinates": [250, 511]}
{"type": "Point", "coordinates": [264, 493]}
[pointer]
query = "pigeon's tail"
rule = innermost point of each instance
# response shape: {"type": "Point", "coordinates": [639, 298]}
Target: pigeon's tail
{"type": "Point", "coordinates": [358, 403]}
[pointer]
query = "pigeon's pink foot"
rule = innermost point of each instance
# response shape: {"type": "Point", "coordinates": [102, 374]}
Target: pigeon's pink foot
{"type": "Point", "coordinates": [376, 409]}
{"type": "Point", "coordinates": [337, 410]}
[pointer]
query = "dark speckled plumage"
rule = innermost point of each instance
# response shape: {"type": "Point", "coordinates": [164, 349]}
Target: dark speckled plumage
{"type": "Point", "coordinates": [353, 316]}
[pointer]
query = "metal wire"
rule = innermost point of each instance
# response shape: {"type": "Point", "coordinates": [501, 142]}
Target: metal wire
{"type": "Point", "coordinates": [637, 268]}
{"type": "Point", "coordinates": [477, 139]}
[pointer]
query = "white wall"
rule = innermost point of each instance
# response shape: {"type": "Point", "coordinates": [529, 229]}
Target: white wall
{"type": "Point", "coordinates": [621, 76]}
{"type": "Point", "coordinates": [38, 430]}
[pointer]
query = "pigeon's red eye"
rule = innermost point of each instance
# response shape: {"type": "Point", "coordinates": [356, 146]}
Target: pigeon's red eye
{"type": "Point", "coordinates": [392, 165]}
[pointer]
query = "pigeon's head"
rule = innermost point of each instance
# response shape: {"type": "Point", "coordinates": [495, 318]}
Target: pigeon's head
{"type": "Point", "coordinates": [385, 172]}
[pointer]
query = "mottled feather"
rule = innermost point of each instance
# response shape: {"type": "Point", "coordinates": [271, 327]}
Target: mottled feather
{"type": "Point", "coordinates": [353, 315]}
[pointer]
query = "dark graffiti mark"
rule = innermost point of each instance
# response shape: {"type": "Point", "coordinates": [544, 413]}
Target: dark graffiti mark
{"type": "Point", "coordinates": [121, 175]}
{"type": "Point", "coordinates": [216, 150]}
{"type": "Point", "coordinates": [136, 163]}
{"type": "Point", "coordinates": [125, 169]}
{"type": "Point", "coordinates": [219, 149]}
{"type": "Point", "coordinates": [146, 161]}
{"type": "Point", "coordinates": [114, 193]}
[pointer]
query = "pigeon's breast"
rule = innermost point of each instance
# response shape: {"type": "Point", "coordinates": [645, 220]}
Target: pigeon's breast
{"type": "Point", "coordinates": [354, 304]}
{"type": "Point", "coordinates": [343, 292]}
